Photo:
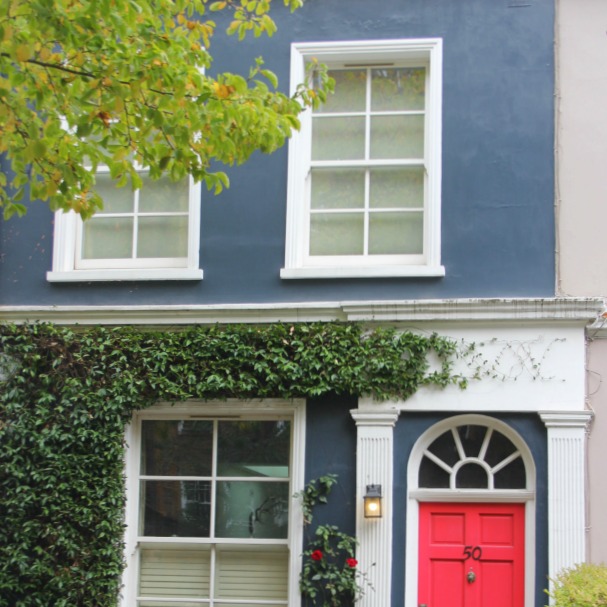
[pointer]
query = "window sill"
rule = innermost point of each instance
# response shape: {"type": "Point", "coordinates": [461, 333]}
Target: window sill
{"type": "Point", "coordinates": [125, 275]}
{"type": "Point", "coordinates": [360, 272]}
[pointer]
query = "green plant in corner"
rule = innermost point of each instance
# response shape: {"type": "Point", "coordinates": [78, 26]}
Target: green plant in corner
{"type": "Point", "coordinates": [330, 576]}
{"type": "Point", "coordinates": [584, 585]}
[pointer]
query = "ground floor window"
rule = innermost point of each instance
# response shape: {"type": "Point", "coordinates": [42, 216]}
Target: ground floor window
{"type": "Point", "coordinates": [210, 505]}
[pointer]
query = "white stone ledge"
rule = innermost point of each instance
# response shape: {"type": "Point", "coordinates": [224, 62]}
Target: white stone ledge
{"type": "Point", "coordinates": [580, 310]}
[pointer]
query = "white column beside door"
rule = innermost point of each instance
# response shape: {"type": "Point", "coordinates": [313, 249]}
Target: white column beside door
{"type": "Point", "coordinates": [566, 488]}
{"type": "Point", "coordinates": [374, 465]}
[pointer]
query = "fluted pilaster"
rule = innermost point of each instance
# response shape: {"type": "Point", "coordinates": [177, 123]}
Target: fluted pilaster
{"type": "Point", "coordinates": [374, 463]}
{"type": "Point", "coordinates": [566, 488]}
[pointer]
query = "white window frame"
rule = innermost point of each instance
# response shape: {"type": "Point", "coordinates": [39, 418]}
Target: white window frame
{"type": "Point", "coordinates": [293, 410]}
{"type": "Point", "coordinates": [298, 264]}
{"type": "Point", "coordinates": [68, 239]}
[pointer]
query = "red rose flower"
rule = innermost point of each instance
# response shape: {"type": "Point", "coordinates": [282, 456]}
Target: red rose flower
{"type": "Point", "coordinates": [316, 555]}
{"type": "Point", "coordinates": [351, 563]}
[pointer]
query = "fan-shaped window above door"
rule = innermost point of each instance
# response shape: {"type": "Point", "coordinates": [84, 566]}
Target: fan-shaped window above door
{"type": "Point", "coordinates": [472, 456]}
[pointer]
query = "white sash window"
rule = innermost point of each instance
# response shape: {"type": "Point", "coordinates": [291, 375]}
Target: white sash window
{"type": "Point", "coordinates": [365, 170]}
{"type": "Point", "coordinates": [211, 508]}
{"type": "Point", "coordinates": [148, 234]}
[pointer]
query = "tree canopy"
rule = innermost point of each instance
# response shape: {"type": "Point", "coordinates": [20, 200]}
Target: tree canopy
{"type": "Point", "coordinates": [123, 83]}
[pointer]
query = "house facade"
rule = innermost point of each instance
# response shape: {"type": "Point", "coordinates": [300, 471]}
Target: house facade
{"type": "Point", "coordinates": [420, 197]}
{"type": "Point", "coordinates": [581, 152]}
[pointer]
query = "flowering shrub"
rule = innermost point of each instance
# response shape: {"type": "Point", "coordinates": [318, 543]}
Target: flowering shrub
{"type": "Point", "coordinates": [330, 576]}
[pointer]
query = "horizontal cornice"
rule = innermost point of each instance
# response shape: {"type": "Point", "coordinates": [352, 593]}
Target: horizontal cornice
{"type": "Point", "coordinates": [578, 310]}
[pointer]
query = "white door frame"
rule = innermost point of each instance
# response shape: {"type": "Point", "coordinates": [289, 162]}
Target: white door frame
{"type": "Point", "coordinates": [415, 495]}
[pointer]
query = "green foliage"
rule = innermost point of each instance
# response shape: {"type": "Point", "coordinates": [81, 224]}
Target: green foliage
{"type": "Point", "coordinates": [584, 585]}
{"type": "Point", "coordinates": [315, 492]}
{"type": "Point", "coordinates": [66, 395]}
{"type": "Point", "coordinates": [122, 84]}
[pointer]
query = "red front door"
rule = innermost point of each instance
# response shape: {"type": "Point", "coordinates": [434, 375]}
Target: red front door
{"type": "Point", "coordinates": [471, 555]}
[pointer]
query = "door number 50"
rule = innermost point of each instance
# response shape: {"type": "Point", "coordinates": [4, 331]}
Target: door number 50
{"type": "Point", "coordinates": [473, 552]}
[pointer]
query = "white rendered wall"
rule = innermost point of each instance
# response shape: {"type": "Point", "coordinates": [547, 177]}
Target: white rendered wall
{"type": "Point", "coordinates": [524, 368]}
{"type": "Point", "coordinates": [581, 123]}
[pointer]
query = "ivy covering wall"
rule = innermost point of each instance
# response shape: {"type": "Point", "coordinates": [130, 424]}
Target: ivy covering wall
{"type": "Point", "coordinates": [66, 395]}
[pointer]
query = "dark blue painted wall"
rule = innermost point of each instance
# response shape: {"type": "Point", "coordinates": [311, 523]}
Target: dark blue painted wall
{"type": "Point", "coordinates": [408, 429]}
{"type": "Point", "coordinates": [331, 449]}
{"type": "Point", "coordinates": [497, 227]}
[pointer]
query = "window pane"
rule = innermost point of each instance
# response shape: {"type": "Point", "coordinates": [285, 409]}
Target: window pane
{"type": "Point", "coordinates": [258, 573]}
{"type": "Point", "coordinates": [396, 233]}
{"type": "Point", "coordinates": [175, 572]}
{"type": "Point", "coordinates": [176, 508]}
{"type": "Point", "coordinates": [472, 476]}
{"type": "Point", "coordinates": [444, 448]}
{"type": "Point", "coordinates": [472, 438]}
{"type": "Point", "coordinates": [512, 476]}
{"type": "Point", "coordinates": [338, 138]}
{"type": "Point", "coordinates": [432, 476]}
{"type": "Point", "coordinates": [163, 237]}
{"type": "Point", "coordinates": [337, 234]}
{"type": "Point", "coordinates": [163, 195]}
{"type": "Point", "coordinates": [397, 188]}
{"type": "Point", "coordinates": [252, 509]}
{"type": "Point", "coordinates": [176, 448]}
{"type": "Point", "coordinates": [499, 449]}
{"type": "Point", "coordinates": [115, 200]}
{"type": "Point", "coordinates": [397, 137]}
{"type": "Point", "coordinates": [107, 238]}
{"type": "Point", "coordinates": [398, 89]}
{"type": "Point", "coordinates": [254, 448]}
{"type": "Point", "coordinates": [338, 189]}
{"type": "Point", "coordinates": [349, 95]}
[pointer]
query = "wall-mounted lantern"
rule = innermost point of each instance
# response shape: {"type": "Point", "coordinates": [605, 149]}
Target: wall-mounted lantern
{"type": "Point", "coordinates": [372, 500]}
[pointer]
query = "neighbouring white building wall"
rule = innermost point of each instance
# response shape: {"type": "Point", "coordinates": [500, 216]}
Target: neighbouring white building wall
{"type": "Point", "coordinates": [581, 214]}
{"type": "Point", "coordinates": [581, 146]}
{"type": "Point", "coordinates": [597, 450]}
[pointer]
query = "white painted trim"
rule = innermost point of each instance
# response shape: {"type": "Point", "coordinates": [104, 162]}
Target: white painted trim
{"type": "Point", "coordinates": [298, 264]}
{"type": "Point", "coordinates": [598, 329]}
{"type": "Point", "coordinates": [566, 488]}
{"type": "Point", "coordinates": [65, 256]}
{"type": "Point", "coordinates": [415, 495]}
{"type": "Point", "coordinates": [471, 495]}
{"type": "Point", "coordinates": [567, 419]}
{"type": "Point", "coordinates": [362, 272]}
{"type": "Point", "coordinates": [117, 275]}
{"type": "Point", "coordinates": [292, 409]}
{"type": "Point", "coordinates": [575, 310]}
{"type": "Point", "coordinates": [374, 466]}
{"type": "Point", "coordinates": [519, 309]}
